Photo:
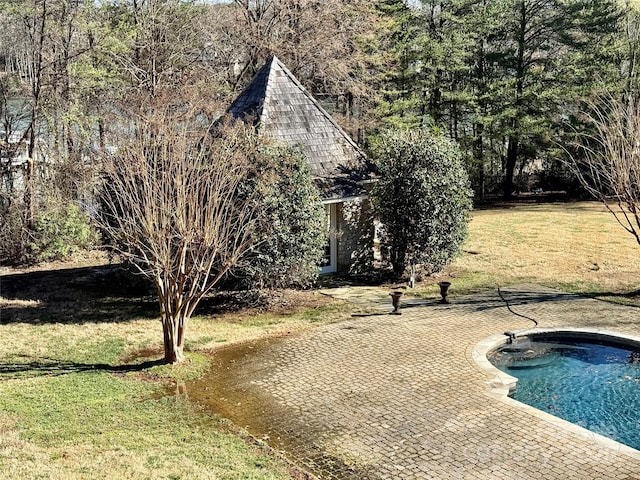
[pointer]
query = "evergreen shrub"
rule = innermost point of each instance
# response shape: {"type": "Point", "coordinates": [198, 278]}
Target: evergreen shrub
{"type": "Point", "coordinates": [422, 198]}
{"type": "Point", "coordinates": [292, 235]}
{"type": "Point", "coordinates": [60, 232]}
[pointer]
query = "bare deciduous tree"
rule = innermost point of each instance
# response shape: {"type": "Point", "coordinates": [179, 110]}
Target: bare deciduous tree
{"type": "Point", "coordinates": [321, 41]}
{"type": "Point", "coordinates": [175, 208]}
{"type": "Point", "coordinates": [609, 162]}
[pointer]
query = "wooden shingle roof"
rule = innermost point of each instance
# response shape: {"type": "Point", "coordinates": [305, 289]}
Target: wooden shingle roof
{"type": "Point", "coordinates": [284, 110]}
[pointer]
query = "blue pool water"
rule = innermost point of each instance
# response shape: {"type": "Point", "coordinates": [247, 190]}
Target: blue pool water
{"type": "Point", "coordinates": [592, 385]}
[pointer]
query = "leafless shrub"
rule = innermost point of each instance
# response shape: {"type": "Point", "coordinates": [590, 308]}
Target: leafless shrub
{"type": "Point", "coordinates": [175, 207]}
{"type": "Point", "coordinates": [608, 160]}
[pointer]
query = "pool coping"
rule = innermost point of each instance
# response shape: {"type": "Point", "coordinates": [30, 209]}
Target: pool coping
{"type": "Point", "coordinates": [501, 384]}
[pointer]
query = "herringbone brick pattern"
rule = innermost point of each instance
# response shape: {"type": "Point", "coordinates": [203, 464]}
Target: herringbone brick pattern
{"type": "Point", "coordinates": [400, 397]}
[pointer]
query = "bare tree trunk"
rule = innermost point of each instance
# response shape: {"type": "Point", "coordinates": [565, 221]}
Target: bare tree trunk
{"type": "Point", "coordinates": [36, 32]}
{"type": "Point", "coordinates": [479, 157]}
{"type": "Point", "coordinates": [479, 125]}
{"type": "Point", "coordinates": [514, 136]}
{"type": "Point", "coordinates": [29, 192]}
{"type": "Point", "coordinates": [175, 309]}
{"type": "Point", "coordinates": [173, 330]}
{"type": "Point", "coordinates": [510, 167]}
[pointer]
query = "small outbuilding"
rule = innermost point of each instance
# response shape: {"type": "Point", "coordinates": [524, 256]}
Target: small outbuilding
{"type": "Point", "coordinates": [283, 109]}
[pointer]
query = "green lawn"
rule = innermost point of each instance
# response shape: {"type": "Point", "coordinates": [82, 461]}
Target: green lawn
{"type": "Point", "coordinates": [80, 395]}
{"type": "Point", "coordinates": [77, 399]}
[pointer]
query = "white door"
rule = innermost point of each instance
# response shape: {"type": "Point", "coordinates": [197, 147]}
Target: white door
{"type": "Point", "coordinates": [329, 261]}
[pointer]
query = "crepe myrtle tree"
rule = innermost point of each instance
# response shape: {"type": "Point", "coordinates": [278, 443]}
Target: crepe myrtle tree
{"type": "Point", "coordinates": [422, 198]}
{"type": "Point", "coordinates": [175, 207]}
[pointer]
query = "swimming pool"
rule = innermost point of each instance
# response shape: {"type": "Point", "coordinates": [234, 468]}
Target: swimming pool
{"type": "Point", "coordinates": [591, 381]}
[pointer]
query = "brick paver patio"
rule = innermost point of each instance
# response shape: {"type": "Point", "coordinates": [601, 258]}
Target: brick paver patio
{"type": "Point", "coordinates": [400, 397]}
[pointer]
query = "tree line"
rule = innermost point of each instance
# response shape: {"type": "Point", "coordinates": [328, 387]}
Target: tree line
{"type": "Point", "coordinates": [114, 106]}
{"type": "Point", "coordinates": [507, 80]}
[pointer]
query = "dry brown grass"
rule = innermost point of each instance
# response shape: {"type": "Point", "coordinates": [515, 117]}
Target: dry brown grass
{"type": "Point", "coordinates": [574, 246]}
{"type": "Point", "coordinates": [80, 259]}
{"type": "Point", "coordinates": [76, 309]}
{"type": "Point", "coordinates": [16, 303]}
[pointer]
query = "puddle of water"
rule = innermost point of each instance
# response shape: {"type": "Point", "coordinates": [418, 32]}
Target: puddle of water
{"type": "Point", "coordinates": [234, 389]}
{"type": "Point", "coordinates": [226, 389]}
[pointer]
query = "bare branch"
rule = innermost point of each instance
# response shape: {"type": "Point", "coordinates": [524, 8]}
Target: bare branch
{"type": "Point", "coordinates": [609, 162]}
{"type": "Point", "coordinates": [177, 207]}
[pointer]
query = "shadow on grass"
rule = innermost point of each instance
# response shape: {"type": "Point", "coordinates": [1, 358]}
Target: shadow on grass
{"type": "Point", "coordinates": [106, 293]}
{"type": "Point", "coordinates": [376, 278]}
{"type": "Point", "coordinates": [517, 299]}
{"type": "Point", "coordinates": [75, 296]}
{"type": "Point", "coordinates": [48, 367]}
{"type": "Point", "coordinates": [632, 297]}
{"type": "Point", "coordinates": [521, 296]}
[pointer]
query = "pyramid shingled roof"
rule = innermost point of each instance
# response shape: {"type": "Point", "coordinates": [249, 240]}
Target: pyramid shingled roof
{"type": "Point", "coordinates": [284, 110]}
